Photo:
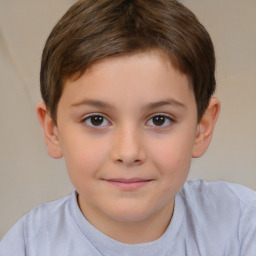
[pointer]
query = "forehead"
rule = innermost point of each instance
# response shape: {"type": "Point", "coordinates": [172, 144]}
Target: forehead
{"type": "Point", "coordinates": [153, 53]}
{"type": "Point", "coordinates": [145, 76]}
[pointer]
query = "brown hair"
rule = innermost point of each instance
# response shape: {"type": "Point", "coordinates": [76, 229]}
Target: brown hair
{"type": "Point", "coordinates": [94, 29]}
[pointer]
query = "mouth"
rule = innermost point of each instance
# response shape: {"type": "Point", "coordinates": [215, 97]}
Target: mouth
{"type": "Point", "coordinates": [128, 184]}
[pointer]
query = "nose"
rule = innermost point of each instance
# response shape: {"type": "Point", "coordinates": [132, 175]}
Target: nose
{"type": "Point", "coordinates": [128, 148]}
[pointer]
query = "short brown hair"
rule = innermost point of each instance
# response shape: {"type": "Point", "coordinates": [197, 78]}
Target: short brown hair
{"type": "Point", "coordinates": [94, 29]}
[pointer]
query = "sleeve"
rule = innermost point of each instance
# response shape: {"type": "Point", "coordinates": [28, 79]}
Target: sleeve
{"type": "Point", "coordinates": [247, 231]}
{"type": "Point", "coordinates": [13, 242]}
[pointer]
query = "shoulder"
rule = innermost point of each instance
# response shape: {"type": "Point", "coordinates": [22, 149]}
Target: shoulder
{"type": "Point", "coordinates": [220, 202]}
{"type": "Point", "coordinates": [35, 226]}
{"type": "Point", "coordinates": [49, 211]}
{"type": "Point", "coordinates": [220, 191]}
{"type": "Point", "coordinates": [223, 212]}
{"type": "Point", "coordinates": [47, 220]}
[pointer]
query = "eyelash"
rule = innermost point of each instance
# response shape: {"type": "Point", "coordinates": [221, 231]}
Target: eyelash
{"type": "Point", "coordinates": [90, 116]}
{"type": "Point", "coordinates": [102, 117]}
{"type": "Point", "coordinates": [166, 117]}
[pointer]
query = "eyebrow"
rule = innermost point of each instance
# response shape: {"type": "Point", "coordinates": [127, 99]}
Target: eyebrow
{"type": "Point", "coordinates": [94, 103]}
{"type": "Point", "coordinates": [161, 103]}
{"type": "Point", "coordinates": [152, 105]}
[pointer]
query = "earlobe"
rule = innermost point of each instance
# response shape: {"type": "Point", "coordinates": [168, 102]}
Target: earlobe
{"type": "Point", "coordinates": [50, 131]}
{"type": "Point", "coordinates": [205, 128]}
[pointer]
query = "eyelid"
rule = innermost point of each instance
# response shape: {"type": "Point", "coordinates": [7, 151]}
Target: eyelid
{"type": "Point", "coordinates": [93, 114]}
{"type": "Point", "coordinates": [162, 114]}
{"type": "Point", "coordinates": [167, 116]}
{"type": "Point", "coordinates": [86, 117]}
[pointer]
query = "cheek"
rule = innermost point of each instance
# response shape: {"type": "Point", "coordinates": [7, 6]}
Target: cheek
{"type": "Point", "coordinates": [173, 167]}
{"type": "Point", "coordinates": [172, 156]}
{"type": "Point", "coordinates": [83, 156]}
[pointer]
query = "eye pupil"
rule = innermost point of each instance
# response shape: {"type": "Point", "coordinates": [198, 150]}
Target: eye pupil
{"type": "Point", "coordinates": [159, 120]}
{"type": "Point", "coordinates": [97, 120]}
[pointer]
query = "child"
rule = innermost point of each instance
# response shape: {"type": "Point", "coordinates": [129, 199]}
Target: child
{"type": "Point", "coordinates": [127, 89]}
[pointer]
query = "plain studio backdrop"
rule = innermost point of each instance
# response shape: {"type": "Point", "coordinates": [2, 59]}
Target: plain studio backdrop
{"type": "Point", "coordinates": [28, 176]}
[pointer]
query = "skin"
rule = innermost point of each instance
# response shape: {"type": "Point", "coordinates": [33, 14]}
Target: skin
{"type": "Point", "coordinates": [126, 164]}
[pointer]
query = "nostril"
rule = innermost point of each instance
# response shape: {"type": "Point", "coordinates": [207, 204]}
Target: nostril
{"type": "Point", "coordinates": [129, 162]}
{"type": "Point", "coordinates": [119, 160]}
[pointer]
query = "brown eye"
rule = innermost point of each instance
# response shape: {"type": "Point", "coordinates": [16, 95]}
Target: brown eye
{"type": "Point", "coordinates": [96, 121]}
{"type": "Point", "coordinates": [159, 121]}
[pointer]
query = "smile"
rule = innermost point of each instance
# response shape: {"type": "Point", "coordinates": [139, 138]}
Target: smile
{"type": "Point", "coordinates": [128, 184]}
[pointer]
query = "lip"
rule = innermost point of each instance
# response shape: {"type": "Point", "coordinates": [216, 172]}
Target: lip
{"type": "Point", "coordinates": [128, 184]}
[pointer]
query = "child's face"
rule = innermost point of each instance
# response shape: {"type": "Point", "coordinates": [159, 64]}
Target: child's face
{"type": "Point", "coordinates": [127, 129]}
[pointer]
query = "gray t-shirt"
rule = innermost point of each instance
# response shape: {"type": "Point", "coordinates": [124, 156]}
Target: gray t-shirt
{"type": "Point", "coordinates": [210, 219]}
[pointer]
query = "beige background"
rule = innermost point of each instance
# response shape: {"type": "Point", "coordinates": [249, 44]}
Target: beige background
{"type": "Point", "coordinates": [29, 177]}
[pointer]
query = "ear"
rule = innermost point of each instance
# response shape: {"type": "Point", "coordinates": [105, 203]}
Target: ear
{"type": "Point", "coordinates": [50, 131]}
{"type": "Point", "coordinates": [205, 128]}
